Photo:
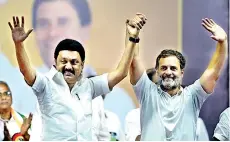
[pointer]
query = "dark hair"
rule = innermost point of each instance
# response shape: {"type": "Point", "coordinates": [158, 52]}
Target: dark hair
{"type": "Point", "coordinates": [4, 83]}
{"type": "Point", "coordinates": [81, 7]}
{"type": "Point", "coordinates": [151, 72]}
{"type": "Point", "coordinates": [71, 45]}
{"type": "Point", "coordinates": [169, 52]}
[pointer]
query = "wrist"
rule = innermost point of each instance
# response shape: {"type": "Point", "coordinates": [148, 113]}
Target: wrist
{"type": "Point", "coordinates": [134, 40]}
{"type": "Point", "coordinates": [223, 41]}
{"type": "Point", "coordinates": [132, 35]}
{"type": "Point", "coordinates": [17, 43]}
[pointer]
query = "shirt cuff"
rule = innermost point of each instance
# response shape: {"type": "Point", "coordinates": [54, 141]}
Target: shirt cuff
{"type": "Point", "coordinates": [38, 83]}
{"type": "Point", "coordinates": [105, 89]}
{"type": "Point", "coordinates": [198, 84]}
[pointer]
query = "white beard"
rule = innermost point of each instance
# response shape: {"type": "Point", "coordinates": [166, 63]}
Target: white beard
{"type": "Point", "coordinates": [169, 83]}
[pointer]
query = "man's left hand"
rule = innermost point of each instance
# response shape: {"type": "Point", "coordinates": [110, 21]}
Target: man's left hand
{"type": "Point", "coordinates": [218, 33]}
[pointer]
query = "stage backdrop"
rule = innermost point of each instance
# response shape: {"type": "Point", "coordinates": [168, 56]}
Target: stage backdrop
{"type": "Point", "coordinates": [100, 26]}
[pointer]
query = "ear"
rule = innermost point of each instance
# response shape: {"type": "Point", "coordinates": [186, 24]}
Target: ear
{"type": "Point", "coordinates": [157, 71]}
{"type": "Point", "coordinates": [182, 72]}
{"type": "Point", "coordinates": [82, 64]}
{"type": "Point", "coordinates": [55, 64]}
{"type": "Point", "coordinates": [55, 60]}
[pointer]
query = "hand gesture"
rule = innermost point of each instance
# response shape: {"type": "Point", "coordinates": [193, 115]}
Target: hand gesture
{"type": "Point", "coordinates": [133, 26]}
{"type": "Point", "coordinates": [26, 124]}
{"type": "Point", "coordinates": [18, 31]}
{"type": "Point", "coordinates": [218, 33]}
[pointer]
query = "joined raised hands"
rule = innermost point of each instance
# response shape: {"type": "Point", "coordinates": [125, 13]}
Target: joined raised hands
{"type": "Point", "coordinates": [18, 31]}
{"type": "Point", "coordinates": [134, 25]}
{"type": "Point", "coordinates": [218, 33]}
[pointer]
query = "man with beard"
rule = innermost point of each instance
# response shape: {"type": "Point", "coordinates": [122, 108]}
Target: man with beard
{"type": "Point", "coordinates": [169, 111]}
{"type": "Point", "coordinates": [64, 96]}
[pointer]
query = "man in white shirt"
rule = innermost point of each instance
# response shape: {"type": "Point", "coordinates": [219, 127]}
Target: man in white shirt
{"type": "Point", "coordinates": [132, 125]}
{"type": "Point", "coordinates": [169, 111]}
{"type": "Point", "coordinates": [222, 131]}
{"type": "Point", "coordinates": [64, 96]}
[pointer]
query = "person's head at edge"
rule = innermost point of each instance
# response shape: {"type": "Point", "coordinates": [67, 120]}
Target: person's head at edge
{"type": "Point", "coordinates": [170, 66]}
{"type": "Point", "coordinates": [55, 20]}
{"type": "Point", "coordinates": [152, 74]}
{"type": "Point", "coordinates": [69, 58]}
{"type": "Point", "coordinates": [5, 100]}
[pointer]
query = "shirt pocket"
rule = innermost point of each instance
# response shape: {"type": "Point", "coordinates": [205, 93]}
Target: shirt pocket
{"type": "Point", "coordinates": [86, 104]}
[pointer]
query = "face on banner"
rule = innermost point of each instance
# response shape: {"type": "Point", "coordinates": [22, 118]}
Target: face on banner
{"type": "Point", "coordinates": [55, 21]}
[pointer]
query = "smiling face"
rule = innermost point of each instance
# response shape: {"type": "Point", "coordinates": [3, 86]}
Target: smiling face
{"type": "Point", "coordinates": [170, 73]}
{"type": "Point", "coordinates": [5, 97]}
{"type": "Point", "coordinates": [70, 64]}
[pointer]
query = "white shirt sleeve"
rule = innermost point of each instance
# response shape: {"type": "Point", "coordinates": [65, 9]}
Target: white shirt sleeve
{"type": "Point", "coordinates": [132, 125]}
{"type": "Point", "coordinates": [100, 85]}
{"type": "Point", "coordinates": [222, 130]}
{"type": "Point", "coordinates": [142, 87]}
{"type": "Point", "coordinates": [39, 84]}
{"type": "Point", "coordinates": [199, 95]}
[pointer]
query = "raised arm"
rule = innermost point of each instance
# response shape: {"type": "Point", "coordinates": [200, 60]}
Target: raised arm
{"type": "Point", "coordinates": [19, 35]}
{"type": "Point", "coordinates": [212, 73]}
{"type": "Point", "coordinates": [132, 30]}
{"type": "Point", "coordinates": [136, 68]}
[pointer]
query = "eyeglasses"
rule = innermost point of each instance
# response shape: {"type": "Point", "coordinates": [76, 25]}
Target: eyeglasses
{"type": "Point", "coordinates": [7, 93]}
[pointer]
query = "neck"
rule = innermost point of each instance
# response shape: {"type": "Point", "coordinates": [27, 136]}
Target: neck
{"type": "Point", "coordinates": [5, 114]}
{"type": "Point", "coordinates": [172, 92]}
{"type": "Point", "coordinates": [71, 86]}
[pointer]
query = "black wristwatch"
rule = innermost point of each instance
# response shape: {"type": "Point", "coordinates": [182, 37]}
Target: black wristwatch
{"type": "Point", "coordinates": [134, 40]}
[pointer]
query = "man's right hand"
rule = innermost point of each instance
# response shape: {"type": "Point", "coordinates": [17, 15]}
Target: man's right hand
{"type": "Point", "coordinates": [18, 31]}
